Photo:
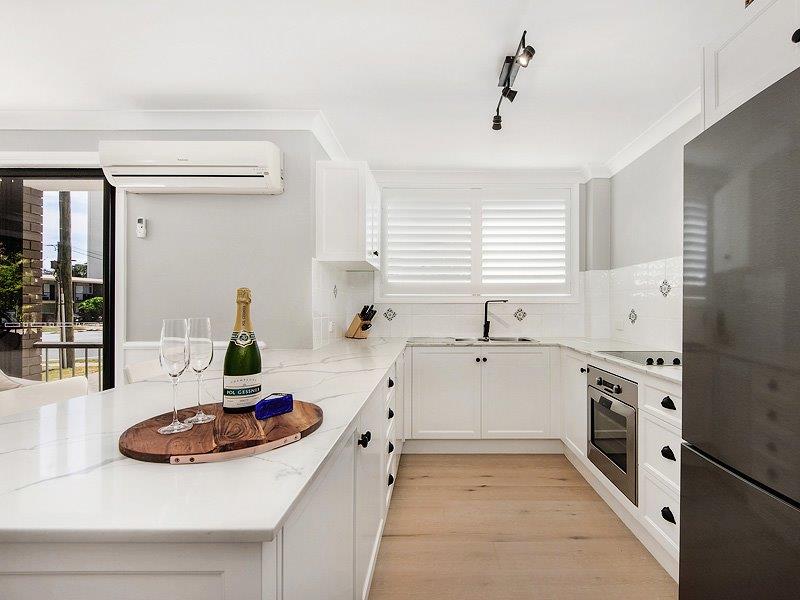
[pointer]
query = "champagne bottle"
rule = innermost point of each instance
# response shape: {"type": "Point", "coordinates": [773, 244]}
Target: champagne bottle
{"type": "Point", "coordinates": [241, 381]}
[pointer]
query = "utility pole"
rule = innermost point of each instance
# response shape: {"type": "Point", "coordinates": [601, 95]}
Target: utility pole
{"type": "Point", "coordinates": [64, 272]}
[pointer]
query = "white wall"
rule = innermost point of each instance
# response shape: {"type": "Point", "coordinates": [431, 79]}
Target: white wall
{"type": "Point", "coordinates": [201, 247]}
{"type": "Point", "coordinates": [647, 202]}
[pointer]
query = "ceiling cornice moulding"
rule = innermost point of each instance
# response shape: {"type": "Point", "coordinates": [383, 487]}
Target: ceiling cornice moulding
{"type": "Point", "coordinates": [683, 112]}
{"type": "Point", "coordinates": [444, 178]}
{"type": "Point", "coordinates": [177, 120]}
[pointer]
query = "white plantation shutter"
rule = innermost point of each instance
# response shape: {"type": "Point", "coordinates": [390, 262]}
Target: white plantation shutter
{"type": "Point", "coordinates": [428, 247]}
{"type": "Point", "coordinates": [478, 242]}
{"type": "Point", "coordinates": [524, 245]}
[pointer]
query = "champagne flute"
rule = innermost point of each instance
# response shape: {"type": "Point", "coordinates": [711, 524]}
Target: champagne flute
{"type": "Point", "coordinates": [174, 357]}
{"type": "Point", "coordinates": [201, 352]}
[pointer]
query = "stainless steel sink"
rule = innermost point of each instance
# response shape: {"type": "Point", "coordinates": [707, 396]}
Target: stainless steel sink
{"type": "Point", "coordinates": [495, 339]}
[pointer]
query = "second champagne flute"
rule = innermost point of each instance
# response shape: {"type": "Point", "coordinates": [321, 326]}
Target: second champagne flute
{"type": "Point", "coordinates": [201, 351]}
{"type": "Point", "coordinates": [174, 358]}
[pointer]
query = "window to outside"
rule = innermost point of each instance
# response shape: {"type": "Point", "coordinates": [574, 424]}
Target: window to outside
{"type": "Point", "coordinates": [52, 290]}
{"type": "Point", "coordinates": [467, 243]}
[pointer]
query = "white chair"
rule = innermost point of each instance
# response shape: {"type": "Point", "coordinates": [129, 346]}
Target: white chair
{"type": "Point", "coordinates": [148, 369]}
{"type": "Point", "coordinates": [27, 397]}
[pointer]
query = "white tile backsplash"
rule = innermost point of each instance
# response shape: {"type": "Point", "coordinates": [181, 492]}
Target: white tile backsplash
{"type": "Point", "coordinates": [606, 300]}
{"type": "Point", "coordinates": [659, 318]}
{"type": "Point", "coordinates": [353, 291]}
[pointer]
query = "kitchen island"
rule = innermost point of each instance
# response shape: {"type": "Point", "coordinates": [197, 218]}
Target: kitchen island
{"type": "Point", "coordinates": [76, 515]}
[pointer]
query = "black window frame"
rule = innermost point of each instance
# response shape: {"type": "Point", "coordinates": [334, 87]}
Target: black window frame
{"type": "Point", "coordinates": [109, 245]}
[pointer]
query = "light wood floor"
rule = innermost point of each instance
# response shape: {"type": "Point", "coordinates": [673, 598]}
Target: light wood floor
{"type": "Point", "coordinates": [508, 527]}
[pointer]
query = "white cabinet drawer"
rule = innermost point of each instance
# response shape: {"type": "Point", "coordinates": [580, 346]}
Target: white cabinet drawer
{"type": "Point", "coordinates": [660, 449]}
{"type": "Point", "coordinates": [664, 403]}
{"type": "Point", "coordinates": [660, 508]}
{"type": "Point", "coordinates": [390, 384]}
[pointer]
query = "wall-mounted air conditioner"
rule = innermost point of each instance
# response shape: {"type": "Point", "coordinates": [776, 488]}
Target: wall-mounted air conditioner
{"type": "Point", "coordinates": [167, 167]}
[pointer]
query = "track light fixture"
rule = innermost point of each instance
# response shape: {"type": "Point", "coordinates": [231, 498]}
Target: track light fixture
{"type": "Point", "coordinates": [497, 122]}
{"type": "Point", "coordinates": [508, 73]}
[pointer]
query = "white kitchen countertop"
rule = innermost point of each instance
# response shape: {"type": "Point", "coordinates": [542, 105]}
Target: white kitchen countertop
{"type": "Point", "coordinates": [63, 478]}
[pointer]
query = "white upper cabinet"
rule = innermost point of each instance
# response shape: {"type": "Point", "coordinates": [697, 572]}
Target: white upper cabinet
{"type": "Point", "coordinates": [348, 215]}
{"type": "Point", "coordinates": [750, 59]}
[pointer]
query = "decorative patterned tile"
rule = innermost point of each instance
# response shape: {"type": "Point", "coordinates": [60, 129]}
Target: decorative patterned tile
{"type": "Point", "coordinates": [665, 288]}
{"type": "Point", "coordinates": [632, 316]}
{"type": "Point", "coordinates": [520, 314]}
{"type": "Point", "coordinates": [389, 314]}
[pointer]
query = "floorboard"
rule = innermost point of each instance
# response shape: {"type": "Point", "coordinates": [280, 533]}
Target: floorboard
{"type": "Point", "coordinates": [507, 527]}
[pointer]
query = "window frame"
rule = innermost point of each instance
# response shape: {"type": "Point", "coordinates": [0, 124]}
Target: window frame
{"type": "Point", "coordinates": [570, 192]}
{"type": "Point", "coordinates": [109, 248]}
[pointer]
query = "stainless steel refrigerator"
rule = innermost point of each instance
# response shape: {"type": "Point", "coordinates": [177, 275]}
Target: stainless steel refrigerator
{"type": "Point", "coordinates": [740, 465]}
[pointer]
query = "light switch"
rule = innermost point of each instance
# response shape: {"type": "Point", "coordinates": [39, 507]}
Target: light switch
{"type": "Point", "coordinates": [141, 227]}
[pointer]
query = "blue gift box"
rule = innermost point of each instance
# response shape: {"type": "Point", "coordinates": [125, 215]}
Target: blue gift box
{"type": "Point", "coordinates": [274, 405]}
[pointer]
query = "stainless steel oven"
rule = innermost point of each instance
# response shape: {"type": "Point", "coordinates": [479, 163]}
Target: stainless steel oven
{"type": "Point", "coordinates": [612, 404]}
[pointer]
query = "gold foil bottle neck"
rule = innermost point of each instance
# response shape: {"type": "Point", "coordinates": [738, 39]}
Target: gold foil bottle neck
{"type": "Point", "coordinates": [244, 296]}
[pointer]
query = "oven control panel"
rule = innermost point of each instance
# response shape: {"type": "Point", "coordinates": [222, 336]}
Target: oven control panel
{"type": "Point", "coordinates": [613, 385]}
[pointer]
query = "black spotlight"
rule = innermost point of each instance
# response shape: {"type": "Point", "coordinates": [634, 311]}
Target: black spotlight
{"type": "Point", "coordinates": [497, 122]}
{"type": "Point", "coordinates": [509, 94]}
{"type": "Point", "coordinates": [524, 56]}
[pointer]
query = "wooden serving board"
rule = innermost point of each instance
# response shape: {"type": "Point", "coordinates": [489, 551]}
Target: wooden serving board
{"type": "Point", "coordinates": [226, 437]}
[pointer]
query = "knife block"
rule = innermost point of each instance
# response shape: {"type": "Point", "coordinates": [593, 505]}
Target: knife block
{"type": "Point", "coordinates": [354, 332]}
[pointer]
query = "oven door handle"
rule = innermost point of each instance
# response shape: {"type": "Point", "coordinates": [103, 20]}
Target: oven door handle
{"type": "Point", "coordinates": [615, 406]}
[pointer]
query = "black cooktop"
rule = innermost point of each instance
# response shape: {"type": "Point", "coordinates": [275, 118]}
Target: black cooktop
{"type": "Point", "coordinates": [654, 358]}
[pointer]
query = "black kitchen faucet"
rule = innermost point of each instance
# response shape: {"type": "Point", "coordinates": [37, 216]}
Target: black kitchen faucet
{"type": "Point", "coordinates": [486, 322]}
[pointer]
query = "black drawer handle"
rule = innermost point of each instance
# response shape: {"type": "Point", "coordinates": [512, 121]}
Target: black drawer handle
{"type": "Point", "coordinates": [391, 383]}
{"type": "Point", "coordinates": [375, 252]}
{"type": "Point", "coordinates": [391, 448]}
{"type": "Point", "coordinates": [796, 36]}
{"type": "Point", "coordinates": [583, 370]}
{"type": "Point", "coordinates": [477, 360]}
{"type": "Point", "coordinates": [391, 479]}
{"type": "Point", "coordinates": [666, 513]}
{"type": "Point", "coordinates": [667, 453]}
{"type": "Point", "coordinates": [668, 403]}
{"type": "Point", "coordinates": [484, 359]}
{"type": "Point", "coordinates": [363, 441]}
{"type": "Point", "coordinates": [391, 413]}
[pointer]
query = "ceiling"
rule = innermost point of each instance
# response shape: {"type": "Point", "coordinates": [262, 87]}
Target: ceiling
{"type": "Point", "coordinates": [404, 84]}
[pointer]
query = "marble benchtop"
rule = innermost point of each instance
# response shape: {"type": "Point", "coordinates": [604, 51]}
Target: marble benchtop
{"type": "Point", "coordinates": [62, 477]}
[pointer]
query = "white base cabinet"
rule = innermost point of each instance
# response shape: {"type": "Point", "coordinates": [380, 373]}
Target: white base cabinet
{"type": "Point", "coordinates": [369, 497]}
{"type": "Point", "coordinates": [324, 568]}
{"type": "Point", "coordinates": [482, 393]}
{"type": "Point", "coordinates": [446, 393]}
{"type": "Point", "coordinates": [515, 393]}
{"type": "Point", "coordinates": [574, 402]}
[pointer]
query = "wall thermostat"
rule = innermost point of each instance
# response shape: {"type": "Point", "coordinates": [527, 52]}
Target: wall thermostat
{"type": "Point", "coordinates": [141, 227]}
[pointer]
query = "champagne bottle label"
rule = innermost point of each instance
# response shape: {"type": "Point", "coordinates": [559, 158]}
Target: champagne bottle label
{"type": "Point", "coordinates": [239, 391]}
{"type": "Point", "coordinates": [243, 338]}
